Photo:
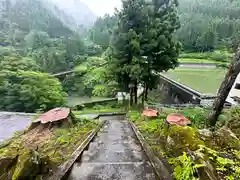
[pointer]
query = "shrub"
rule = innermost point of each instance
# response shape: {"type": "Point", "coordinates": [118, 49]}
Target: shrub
{"type": "Point", "coordinates": [27, 91]}
{"type": "Point", "coordinates": [219, 56]}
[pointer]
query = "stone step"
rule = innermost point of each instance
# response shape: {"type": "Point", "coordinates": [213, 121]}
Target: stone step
{"type": "Point", "coordinates": [112, 171]}
{"type": "Point", "coordinates": [108, 155]}
{"type": "Point", "coordinates": [115, 144]}
{"type": "Point", "coordinates": [112, 139]}
{"type": "Point", "coordinates": [120, 127]}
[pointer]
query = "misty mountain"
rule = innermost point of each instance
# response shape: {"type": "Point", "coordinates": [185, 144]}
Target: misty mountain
{"type": "Point", "coordinates": [26, 15]}
{"type": "Point", "coordinates": [50, 16]}
{"type": "Point", "coordinates": [78, 10]}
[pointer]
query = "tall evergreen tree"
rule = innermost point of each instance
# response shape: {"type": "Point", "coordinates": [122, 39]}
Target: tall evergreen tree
{"type": "Point", "coordinates": [160, 48]}
{"type": "Point", "coordinates": [143, 43]}
{"type": "Point", "coordinates": [126, 44]}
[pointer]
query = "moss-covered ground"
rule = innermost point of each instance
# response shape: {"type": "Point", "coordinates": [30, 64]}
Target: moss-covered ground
{"type": "Point", "coordinates": [191, 155]}
{"type": "Point", "coordinates": [55, 145]}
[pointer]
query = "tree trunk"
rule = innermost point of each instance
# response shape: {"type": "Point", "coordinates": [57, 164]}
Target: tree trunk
{"type": "Point", "coordinates": [135, 93]}
{"type": "Point", "coordinates": [146, 91]}
{"type": "Point", "coordinates": [143, 94]}
{"type": "Point", "coordinates": [131, 97]}
{"type": "Point", "coordinates": [143, 98]}
{"type": "Point", "coordinates": [224, 90]}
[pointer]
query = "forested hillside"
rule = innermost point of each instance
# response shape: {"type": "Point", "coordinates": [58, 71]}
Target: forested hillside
{"type": "Point", "coordinates": [37, 37]}
{"type": "Point", "coordinates": [102, 30]}
{"type": "Point", "coordinates": [208, 24]}
{"type": "Point", "coordinates": [25, 15]}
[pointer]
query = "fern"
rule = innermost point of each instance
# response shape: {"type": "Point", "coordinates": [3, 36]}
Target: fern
{"type": "Point", "coordinates": [185, 167]}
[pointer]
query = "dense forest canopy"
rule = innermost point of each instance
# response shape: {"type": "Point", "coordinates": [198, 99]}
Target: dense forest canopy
{"type": "Point", "coordinates": [208, 24]}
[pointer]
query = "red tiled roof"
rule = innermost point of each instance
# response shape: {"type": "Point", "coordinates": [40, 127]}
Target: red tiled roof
{"type": "Point", "coordinates": [178, 119]}
{"type": "Point", "coordinates": [53, 115]}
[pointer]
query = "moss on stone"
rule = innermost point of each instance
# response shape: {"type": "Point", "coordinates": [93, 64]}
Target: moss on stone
{"type": "Point", "coordinates": [52, 151]}
{"type": "Point", "coordinates": [28, 166]}
{"type": "Point", "coordinates": [180, 139]}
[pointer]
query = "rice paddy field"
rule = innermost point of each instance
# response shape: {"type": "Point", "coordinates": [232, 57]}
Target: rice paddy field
{"type": "Point", "coordinates": [206, 81]}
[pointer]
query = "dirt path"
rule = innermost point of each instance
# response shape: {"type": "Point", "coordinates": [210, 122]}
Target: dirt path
{"type": "Point", "coordinates": [115, 154]}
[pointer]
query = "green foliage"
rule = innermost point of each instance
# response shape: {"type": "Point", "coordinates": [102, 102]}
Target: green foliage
{"type": "Point", "coordinates": [37, 39]}
{"type": "Point", "coordinates": [68, 136]}
{"type": "Point", "coordinates": [102, 91]}
{"type": "Point", "coordinates": [184, 167]}
{"type": "Point", "coordinates": [101, 32]}
{"type": "Point", "coordinates": [227, 165]}
{"type": "Point", "coordinates": [13, 61]}
{"type": "Point", "coordinates": [55, 55]}
{"type": "Point", "coordinates": [207, 25]}
{"type": "Point", "coordinates": [152, 126]}
{"type": "Point", "coordinates": [134, 115]}
{"type": "Point", "coordinates": [27, 91]}
{"type": "Point", "coordinates": [91, 78]}
{"type": "Point", "coordinates": [197, 116]}
{"type": "Point", "coordinates": [233, 121]}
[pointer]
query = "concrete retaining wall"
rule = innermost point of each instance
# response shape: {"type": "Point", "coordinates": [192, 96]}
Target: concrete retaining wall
{"type": "Point", "coordinates": [177, 93]}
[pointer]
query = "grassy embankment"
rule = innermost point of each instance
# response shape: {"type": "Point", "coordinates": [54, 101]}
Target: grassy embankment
{"type": "Point", "coordinates": [190, 154]}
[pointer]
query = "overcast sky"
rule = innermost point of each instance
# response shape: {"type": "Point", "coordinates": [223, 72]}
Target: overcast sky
{"type": "Point", "coordinates": [100, 7]}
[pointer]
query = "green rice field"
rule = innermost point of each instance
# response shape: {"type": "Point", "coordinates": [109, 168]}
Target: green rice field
{"type": "Point", "coordinates": [205, 81]}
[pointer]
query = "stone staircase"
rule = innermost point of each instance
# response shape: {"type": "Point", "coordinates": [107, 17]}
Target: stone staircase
{"type": "Point", "coordinates": [114, 154]}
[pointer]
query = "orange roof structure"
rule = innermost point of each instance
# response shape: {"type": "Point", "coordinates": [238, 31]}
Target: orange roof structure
{"type": "Point", "coordinates": [178, 119]}
{"type": "Point", "coordinates": [150, 113]}
{"type": "Point", "coordinates": [53, 115]}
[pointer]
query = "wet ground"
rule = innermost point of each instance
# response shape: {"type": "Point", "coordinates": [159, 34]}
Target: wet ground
{"type": "Point", "coordinates": [114, 154]}
{"type": "Point", "coordinates": [12, 122]}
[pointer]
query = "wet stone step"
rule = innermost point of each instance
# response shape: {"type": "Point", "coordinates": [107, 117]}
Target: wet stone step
{"type": "Point", "coordinates": [112, 171]}
{"type": "Point", "coordinates": [114, 145]}
{"type": "Point", "coordinates": [115, 137]}
{"type": "Point", "coordinates": [113, 156]}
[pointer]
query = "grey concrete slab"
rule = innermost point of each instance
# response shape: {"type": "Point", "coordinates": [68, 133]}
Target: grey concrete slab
{"type": "Point", "coordinates": [10, 123]}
